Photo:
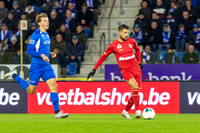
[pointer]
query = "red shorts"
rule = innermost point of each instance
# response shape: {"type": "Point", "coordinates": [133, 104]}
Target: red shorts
{"type": "Point", "coordinates": [128, 74]}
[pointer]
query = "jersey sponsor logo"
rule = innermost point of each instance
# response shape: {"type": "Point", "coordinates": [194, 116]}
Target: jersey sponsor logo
{"type": "Point", "coordinates": [130, 45]}
{"type": "Point", "coordinates": [30, 81]}
{"type": "Point", "coordinates": [119, 46]}
{"type": "Point", "coordinates": [46, 42]}
{"type": "Point", "coordinates": [126, 58]}
{"type": "Point", "coordinates": [120, 49]}
{"type": "Point", "coordinates": [31, 41]}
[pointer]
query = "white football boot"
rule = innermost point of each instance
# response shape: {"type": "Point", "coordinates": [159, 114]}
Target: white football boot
{"type": "Point", "coordinates": [61, 115]}
{"type": "Point", "coordinates": [9, 74]}
{"type": "Point", "coordinates": [138, 114]}
{"type": "Point", "coordinates": [125, 114]}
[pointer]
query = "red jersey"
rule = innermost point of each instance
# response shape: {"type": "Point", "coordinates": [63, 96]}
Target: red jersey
{"type": "Point", "coordinates": [124, 54]}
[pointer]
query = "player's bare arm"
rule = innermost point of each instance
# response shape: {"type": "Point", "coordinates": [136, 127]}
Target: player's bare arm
{"type": "Point", "coordinates": [45, 58]}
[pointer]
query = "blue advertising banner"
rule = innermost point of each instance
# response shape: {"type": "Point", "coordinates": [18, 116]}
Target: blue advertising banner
{"type": "Point", "coordinates": [189, 97]}
{"type": "Point", "coordinates": [159, 72]}
{"type": "Point", "coordinates": [13, 99]}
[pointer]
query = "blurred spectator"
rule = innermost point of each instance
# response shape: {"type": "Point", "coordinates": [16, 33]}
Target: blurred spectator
{"type": "Point", "coordinates": [70, 22]}
{"type": "Point", "coordinates": [151, 3]}
{"type": "Point", "coordinates": [63, 3]}
{"type": "Point", "coordinates": [58, 9]}
{"type": "Point", "coordinates": [4, 45]}
{"type": "Point", "coordinates": [64, 32]}
{"type": "Point", "coordinates": [138, 35]}
{"type": "Point", "coordinates": [5, 33]}
{"type": "Point", "coordinates": [81, 35]}
{"type": "Point", "coordinates": [37, 4]}
{"type": "Point", "coordinates": [167, 38]}
{"type": "Point", "coordinates": [170, 20]}
{"type": "Point", "coordinates": [3, 11]}
{"type": "Point", "coordinates": [190, 57]}
{"type": "Point", "coordinates": [70, 6]}
{"type": "Point", "coordinates": [16, 10]}
{"type": "Point", "coordinates": [59, 43]}
{"type": "Point", "coordinates": [181, 38]}
{"type": "Point", "coordinates": [171, 58]}
{"type": "Point", "coordinates": [191, 10]}
{"type": "Point", "coordinates": [10, 52]}
{"type": "Point", "coordinates": [142, 22]}
{"type": "Point", "coordinates": [10, 22]}
{"type": "Point", "coordinates": [85, 18]}
{"type": "Point", "coordinates": [14, 45]}
{"type": "Point", "coordinates": [147, 56]}
{"type": "Point", "coordinates": [145, 9]}
{"type": "Point", "coordinates": [16, 59]}
{"type": "Point", "coordinates": [186, 20]}
{"type": "Point", "coordinates": [181, 3]}
{"type": "Point", "coordinates": [154, 36]}
{"type": "Point", "coordinates": [174, 10]}
{"type": "Point", "coordinates": [61, 60]}
{"type": "Point", "coordinates": [47, 6]}
{"type": "Point", "coordinates": [173, 7]}
{"type": "Point", "coordinates": [79, 4]}
{"type": "Point", "coordinates": [23, 3]}
{"type": "Point", "coordinates": [75, 52]}
{"type": "Point", "coordinates": [93, 6]}
{"type": "Point", "coordinates": [160, 9]}
{"type": "Point", "coordinates": [8, 4]}
{"type": "Point", "coordinates": [54, 24]}
{"type": "Point", "coordinates": [194, 36]}
{"type": "Point", "coordinates": [30, 12]}
{"type": "Point", "coordinates": [155, 18]}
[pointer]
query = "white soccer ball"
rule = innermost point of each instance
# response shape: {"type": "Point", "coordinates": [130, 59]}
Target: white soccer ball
{"type": "Point", "coordinates": [148, 113]}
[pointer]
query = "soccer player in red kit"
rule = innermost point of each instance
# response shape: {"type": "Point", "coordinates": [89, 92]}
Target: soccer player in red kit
{"type": "Point", "coordinates": [130, 66]}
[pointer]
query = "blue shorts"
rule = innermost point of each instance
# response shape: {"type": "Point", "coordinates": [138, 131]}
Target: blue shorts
{"type": "Point", "coordinates": [46, 72]}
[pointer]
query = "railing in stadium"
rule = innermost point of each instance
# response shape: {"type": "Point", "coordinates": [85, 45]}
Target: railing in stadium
{"type": "Point", "coordinates": [102, 49]}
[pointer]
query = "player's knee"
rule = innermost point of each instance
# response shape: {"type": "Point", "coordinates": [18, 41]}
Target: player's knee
{"type": "Point", "coordinates": [135, 86]}
{"type": "Point", "coordinates": [30, 91]}
{"type": "Point", "coordinates": [54, 87]}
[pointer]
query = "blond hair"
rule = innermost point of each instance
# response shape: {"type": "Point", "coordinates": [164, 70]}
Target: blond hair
{"type": "Point", "coordinates": [38, 18]}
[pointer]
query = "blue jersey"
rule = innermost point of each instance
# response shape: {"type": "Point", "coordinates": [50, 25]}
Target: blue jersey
{"type": "Point", "coordinates": [39, 44]}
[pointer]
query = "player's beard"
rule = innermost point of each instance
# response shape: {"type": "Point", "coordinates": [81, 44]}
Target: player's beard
{"type": "Point", "coordinates": [123, 39]}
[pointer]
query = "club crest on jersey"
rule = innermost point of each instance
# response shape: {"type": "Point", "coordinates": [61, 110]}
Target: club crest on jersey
{"type": "Point", "coordinates": [31, 41]}
{"type": "Point", "coordinates": [119, 46]}
{"type": "Point", "coordinates": [130, 45]}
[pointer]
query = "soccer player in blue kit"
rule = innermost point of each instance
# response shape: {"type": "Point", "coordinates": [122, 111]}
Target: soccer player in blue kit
{"type": "Point", "coordinates": [39, 48]}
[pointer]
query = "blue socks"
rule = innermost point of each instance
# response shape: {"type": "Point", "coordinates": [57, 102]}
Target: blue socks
{"type": "Point", "coordinates": [55, 101]}
{"type": "Point", "coordinates": [23, 83]}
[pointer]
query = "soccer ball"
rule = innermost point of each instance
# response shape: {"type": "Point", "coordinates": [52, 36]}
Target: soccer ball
{"type": "Point", "coordinates": [148, 113]}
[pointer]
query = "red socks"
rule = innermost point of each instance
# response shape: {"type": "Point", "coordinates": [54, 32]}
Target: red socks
{"type": "Point", "coordinates": [136, 98]}
{"type": "Point", "coordinates": [132, 100]}
{"type": "Point", "coordinates": [130, 104]}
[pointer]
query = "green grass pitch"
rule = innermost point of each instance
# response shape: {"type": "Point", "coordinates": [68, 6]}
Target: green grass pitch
{"type": "Point", "coordinates": [98, 123]}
